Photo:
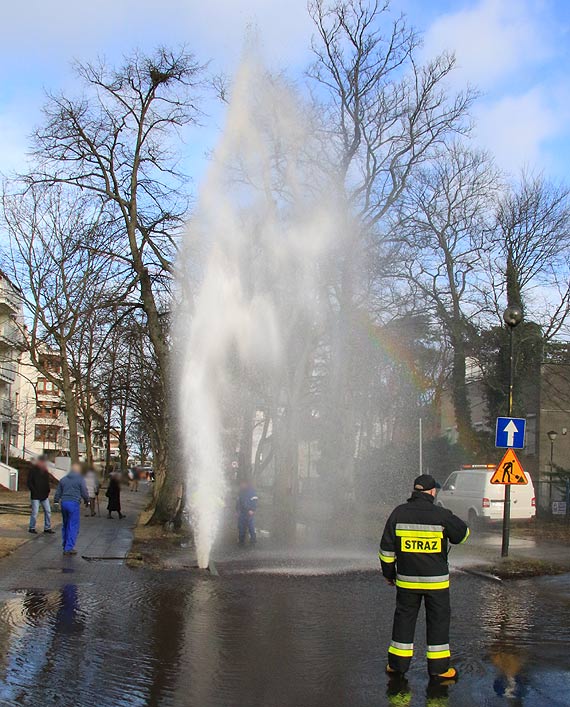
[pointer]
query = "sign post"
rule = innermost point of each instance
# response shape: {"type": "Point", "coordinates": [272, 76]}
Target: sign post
{"type": "Point", "coordinates": [512, 317]}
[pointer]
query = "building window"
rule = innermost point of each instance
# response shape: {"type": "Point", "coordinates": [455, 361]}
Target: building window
{"type": "Point", "coordinates": [45, 386]}
{"type": "Point", "coordinates": [46, 434]}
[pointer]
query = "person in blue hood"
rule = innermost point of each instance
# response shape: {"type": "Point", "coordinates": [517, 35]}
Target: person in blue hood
{"type": "Point", "coordinates": [70, 490]}
{"type": "Point", "coordinates": [246, 506]}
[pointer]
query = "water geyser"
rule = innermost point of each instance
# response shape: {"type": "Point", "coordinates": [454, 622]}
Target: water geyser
{"type": "Point", "coordinates": [248, 269]}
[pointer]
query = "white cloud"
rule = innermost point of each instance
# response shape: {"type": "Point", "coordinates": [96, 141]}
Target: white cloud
{"type": "Point", "coordinates": [511, 51]}
{"type": "Point", "coordinates": [491, 39]}
{"type": "Point", "coordinates": [516, 128]}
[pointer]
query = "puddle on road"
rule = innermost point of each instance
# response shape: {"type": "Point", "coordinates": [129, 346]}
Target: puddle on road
{"type": "Point", "coordinates": [188, 640]}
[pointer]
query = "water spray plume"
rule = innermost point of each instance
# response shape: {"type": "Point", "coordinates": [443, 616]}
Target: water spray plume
{"type": "Point", "coordinates": [263, 226]}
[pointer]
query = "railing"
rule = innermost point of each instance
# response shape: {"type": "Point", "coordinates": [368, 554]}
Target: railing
{"type": "Point", "coordinates": [7, 299]}
{"type": "Point", "coordinates": [8, 370]}
{"type": "Point", "coordinates": [10, 335]}
{"type": "Point", "coordinates": [6, 408]}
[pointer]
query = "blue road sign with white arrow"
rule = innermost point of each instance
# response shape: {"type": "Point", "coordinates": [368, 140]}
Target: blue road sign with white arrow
{"type": "Point", "coordinates": [510, 432]}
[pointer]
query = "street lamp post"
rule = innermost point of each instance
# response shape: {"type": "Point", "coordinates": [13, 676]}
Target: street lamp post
{"type": "Point", "coordinates": [512, 317]}
{"type": "Point", "coordinates": [552, 435]}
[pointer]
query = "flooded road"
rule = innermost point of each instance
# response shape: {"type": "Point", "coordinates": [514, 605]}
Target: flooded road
{"type": "Point", "coordinates": [87, 634]}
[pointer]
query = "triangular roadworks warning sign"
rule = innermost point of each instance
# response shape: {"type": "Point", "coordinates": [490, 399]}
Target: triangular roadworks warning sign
{"type": "Point", "coordinates": [509, 471]}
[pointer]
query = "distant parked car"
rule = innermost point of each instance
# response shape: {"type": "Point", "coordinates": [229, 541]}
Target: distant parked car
{"type": "Point", "coordinates": [469, 494]}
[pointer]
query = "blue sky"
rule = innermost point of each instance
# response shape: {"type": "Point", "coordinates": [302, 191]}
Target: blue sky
{"type": "Point", "coordinates": [516, 51]}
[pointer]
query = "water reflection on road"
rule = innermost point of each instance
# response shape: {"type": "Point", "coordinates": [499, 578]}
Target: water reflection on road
{"type": "Point", "coordinates": [273, 640]}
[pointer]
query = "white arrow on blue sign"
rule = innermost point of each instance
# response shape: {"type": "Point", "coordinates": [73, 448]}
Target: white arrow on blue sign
{"type": "Point", "coordinates": [510, 432]}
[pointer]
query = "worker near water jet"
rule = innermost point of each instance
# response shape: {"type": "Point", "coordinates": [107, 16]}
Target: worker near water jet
{"type": "Point", "coordinates": [413, 554]}
{"type": "Point", "coordinates": [246, 507]}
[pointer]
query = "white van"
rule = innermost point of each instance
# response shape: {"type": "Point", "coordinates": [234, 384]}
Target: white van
{"type": "Point", "coordinates": [470, 495]}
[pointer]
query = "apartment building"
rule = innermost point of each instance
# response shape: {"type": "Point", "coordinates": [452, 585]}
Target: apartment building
{"type": "Point", "coordinates": [11, 318]}
{"type": "Point", "coordinates": [44, 427]}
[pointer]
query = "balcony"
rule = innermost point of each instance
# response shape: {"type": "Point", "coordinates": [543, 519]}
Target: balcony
{"type": "Point", "coordinates": [43, 419]}
{"type": "Point", "coordinates": [9, 302]}
{"type": "Point", "coordinates": [8, 370]}
{"type": "Point", "coordinates": [6, 409]}
{"type": "Point", "coordinates": [10, 335]}
{"type": "Point", "coordinates": [54, 397]}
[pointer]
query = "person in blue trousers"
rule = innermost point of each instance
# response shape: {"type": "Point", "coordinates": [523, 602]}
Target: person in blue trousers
{"type": "Point", "coordinates": [70, 491]}
{"type": "Point", "coordinates": [246, 506]}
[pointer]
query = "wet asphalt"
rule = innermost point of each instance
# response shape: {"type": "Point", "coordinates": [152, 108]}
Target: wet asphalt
{"type": "Point", "coordinates": [303, 629]}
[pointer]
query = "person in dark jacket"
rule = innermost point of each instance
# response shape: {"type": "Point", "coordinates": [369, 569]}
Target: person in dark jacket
{"type": "Point", "coordinates": [38, 484]}
{"type": "Point", "coordinates": [413, 553]}
{"type": "Point", "coordinates": [246, 506]}
{"type": "Point", "coordinates": [114, 496]}
{"type": "Point", "coordinates": [70, 491]}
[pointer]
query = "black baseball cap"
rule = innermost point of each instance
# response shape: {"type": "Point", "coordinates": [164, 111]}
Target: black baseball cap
{"type": "Point", "coordinates": [426, 482]}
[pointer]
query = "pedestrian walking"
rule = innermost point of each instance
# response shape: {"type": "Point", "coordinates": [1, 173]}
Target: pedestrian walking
{"type": "Point", "coordinates": [114, 495]}
{"type": "Point", "coordinates": [134, 476]}
{"type": "Point", "coordinates": [413, 553]}
{"type": "Point", "coordinates": [246, 507]}
{"type": "Point", "coordinates": [70, 491]}
{"type": "Point", "coordinates": [38, 484]}
{"type": "Point", "coordinates": [92, 484]}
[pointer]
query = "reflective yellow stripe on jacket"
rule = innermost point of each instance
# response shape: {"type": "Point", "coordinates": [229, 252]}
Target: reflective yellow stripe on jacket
{"type": "Point", "coordinates": [430, 583]}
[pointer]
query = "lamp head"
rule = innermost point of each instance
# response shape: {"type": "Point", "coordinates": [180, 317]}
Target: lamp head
{"type": "Point", "coordinates": [552, 435]}
{"type": "Point", "coordinates": [512, 316]}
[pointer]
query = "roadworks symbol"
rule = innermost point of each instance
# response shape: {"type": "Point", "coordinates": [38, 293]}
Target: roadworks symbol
{"type": "Point", "coordinates": [509, 471]}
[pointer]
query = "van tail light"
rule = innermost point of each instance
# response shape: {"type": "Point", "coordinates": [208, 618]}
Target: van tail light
{"type": "Point", "coordinates": [533, 503]}
{"type": "Point", "coordinates": [486, 503]}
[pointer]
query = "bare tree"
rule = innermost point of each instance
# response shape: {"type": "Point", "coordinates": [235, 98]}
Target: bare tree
{"type": "Point", "coordinates": [384, 116]}
{"type": "Point", "coordinates": [443, 222]}
{"type": "Point", "coordinates": [386, 112]}
{"type": "Point", "coordinates": [530, 263]}
{"type": "Point", "coordinates": [116, 142]}
{"type": "Point", "coordinates": [54, 239]}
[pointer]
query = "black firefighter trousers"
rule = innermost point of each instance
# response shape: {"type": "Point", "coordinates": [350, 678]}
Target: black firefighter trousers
{"type": "Point", "coordinates": [438, 614]}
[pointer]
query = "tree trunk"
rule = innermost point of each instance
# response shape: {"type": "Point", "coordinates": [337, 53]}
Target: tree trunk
{"type": "Point", "coordinates": [286, 455]}
{"type": "Point", "coordinates": [461, 403]}
{"type": "Point", "coordinates": [337, 441]}
{"type": "Point", "coordinates": [246, 441]}
{"type": "Point", "coordinates": [123, 448]}
{"type": "Point", "coordinates": [514, 295]}
{"type": "Point", "coordinates": [169, 489]}
{"type": "Point", "coordinates": [88, 442]}
{"type": "Point", "coordinates": [70, 407]}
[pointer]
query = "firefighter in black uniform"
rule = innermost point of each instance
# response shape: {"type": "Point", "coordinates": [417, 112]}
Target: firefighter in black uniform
{"type": "Point", "coordinates": [413, 553]}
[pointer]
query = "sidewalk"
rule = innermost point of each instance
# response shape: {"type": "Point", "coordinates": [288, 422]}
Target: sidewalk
{"type": "Point", "coordinates": [40, 562]}
{"type": "Point", "coordinates": [527, 557]}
